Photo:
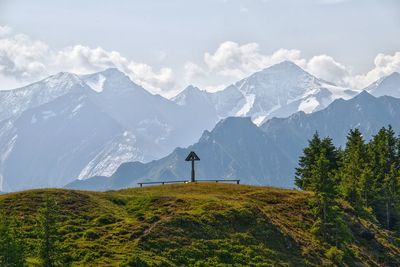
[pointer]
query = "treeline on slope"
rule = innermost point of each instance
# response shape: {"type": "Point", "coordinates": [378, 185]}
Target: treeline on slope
{"type": "Point", "coordinates": [364, 174]}
{"type": "Point", "coordinates": [50, 250]}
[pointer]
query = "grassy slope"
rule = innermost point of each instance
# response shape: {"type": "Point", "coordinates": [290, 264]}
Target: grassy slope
{"type": "Point", "coordinates": [202, 224]}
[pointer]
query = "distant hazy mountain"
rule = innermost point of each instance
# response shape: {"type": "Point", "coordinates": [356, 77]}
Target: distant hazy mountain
{"type": "Point", "coordinates": [266, 155]}
{"type": "Point", "coordinates": [277, 91]}
{"type": "Point", "coordinates": [235, 148]}
{"type": "Point", "coordinates": [224, 103]}
{"type": "Point", "coordinates": [14, 102]}
{"type": "Point", "coordinates": [387, 85]}
{"type": "Point", "coordinates": [364, 112]}
{"type": "Point", "coordinates": [69, 126]}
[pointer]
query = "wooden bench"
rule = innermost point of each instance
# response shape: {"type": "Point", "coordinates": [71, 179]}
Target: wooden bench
{"type": "Point", "coordinates": [237, 181]}
{"type": "Point", "coordinates": [162, 182]}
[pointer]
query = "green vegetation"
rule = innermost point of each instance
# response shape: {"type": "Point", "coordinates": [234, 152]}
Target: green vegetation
{"type": "Point", "coordinates": [349, 215]}
{"type": "Point", "coordinates": [11, 248]}
{"type": "Point", "coordinates": [204, 224]}
{"type": "Point", "coordinates": [51, 249]}
{"type": "Point", "coordinates": [366, 175]}
{"type": "Point", "coordinates": [317, 172]}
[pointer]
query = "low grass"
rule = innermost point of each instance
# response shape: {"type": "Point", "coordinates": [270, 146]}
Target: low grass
{"type": "Point", "coordinates": [204, 224]}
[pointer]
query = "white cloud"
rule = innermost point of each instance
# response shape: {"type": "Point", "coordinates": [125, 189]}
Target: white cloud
{"type": "Point", "coordinates": [23, 58]}
{"type": "Point", "coordinates": [384, 65]}
{"type": "Point", "coordinates": [325, 67]}
{"type": "Point", "coordinates": [83, 59]}
{"type": "Point", "coordinates": [234, 60]}
{"type": "Point", "coordinates": [157, 82]}
{"type": "Point", "coordinates": [28, 60]}
{"type": "Point", "coordinates": [193, 71]}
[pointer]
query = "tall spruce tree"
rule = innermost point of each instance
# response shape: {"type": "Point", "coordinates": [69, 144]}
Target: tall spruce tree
{"type": "Point", "coordinates": [304, 177]}
{"type": "Point", "coordinates": [354, 171]}
{"type": "Point", "coordinates": [385, 170]}
{"type": "Point", "coordinates": [317, 172]}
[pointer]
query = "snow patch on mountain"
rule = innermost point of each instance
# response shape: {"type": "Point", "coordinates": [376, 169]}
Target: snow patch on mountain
{"type": "Point", "coordinates": [96, 83]}
{"type": "Point", "coordinates": [79, 106]}
{"type": "Point", "coordinates": [62, 80]}
{"type": "Point", "coordinates": [247, 106]}
{"type": "Point", "coordinates": [308, 105]}
{"type": "Point", "coordinates": [5, 152]}
{"type": "Point", "coordinates": [387, 85]}
{"type": "Point", "coordinates": [119, 150]}
{"type": "Point", "coordinates": [259, 120]}
{"type": "Point", "coordinates": [8, 138]}
{"type": "Point", "coordinates": [14, 102]}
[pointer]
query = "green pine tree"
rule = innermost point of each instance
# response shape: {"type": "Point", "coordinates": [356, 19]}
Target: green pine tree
{"type": "Point", "coordinates": [354, 171]}
{"type": "Point", "coordinates": [385, 171]}
{"type": "Point", "coordinates": [317, 172]}
{"type": "Point", "coordinates": [303, 178]}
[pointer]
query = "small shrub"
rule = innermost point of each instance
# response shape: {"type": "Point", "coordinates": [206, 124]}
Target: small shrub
{"type": "Point", "coordinates": [91, 235]}
{"type": "Point", "coordinates": [136, 261]}
{"type": "Point", "coordinates": [117, 200]}
{"type": "Point", "coordinates": [335, 255]}
{"type": "Point", "coordinates": [91, 256]}
{"type": "Point", "coordinates": [106, 219]}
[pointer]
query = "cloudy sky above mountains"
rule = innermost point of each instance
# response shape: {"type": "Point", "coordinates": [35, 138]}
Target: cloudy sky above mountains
{"type": "Point", "coordinates": [166, 45]}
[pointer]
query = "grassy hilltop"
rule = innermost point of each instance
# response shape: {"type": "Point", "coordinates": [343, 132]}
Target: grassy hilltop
{"type": "Point", "coordinates": [196, 225]}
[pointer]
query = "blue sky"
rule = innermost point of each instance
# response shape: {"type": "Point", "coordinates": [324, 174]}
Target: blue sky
{"type": "Point", "coordinates": [166, 45]}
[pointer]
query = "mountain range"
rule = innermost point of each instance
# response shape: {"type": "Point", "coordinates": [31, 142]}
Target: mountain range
{"type": "Point", "coordinates": [69, 126]}
{"type": "Point", "coordinates": [277, 91]}
{"type": "Point", "coordinates": [264, 155]}
{"type": "Point", "coordinates": [101, 125]}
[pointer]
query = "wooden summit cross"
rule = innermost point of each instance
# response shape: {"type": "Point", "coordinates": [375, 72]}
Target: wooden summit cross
{"type": "Point", "coordinates": [192, 157]}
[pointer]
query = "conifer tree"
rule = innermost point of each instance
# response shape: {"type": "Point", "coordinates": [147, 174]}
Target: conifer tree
{"type": "Point", "coordinates": [317, 172]}
{"type": "Point", "coordinates": [303, 178]}
{"type": "Point", "coordinates": [385, 170]}
{"type": "Point", "coordinates": [354, 171]}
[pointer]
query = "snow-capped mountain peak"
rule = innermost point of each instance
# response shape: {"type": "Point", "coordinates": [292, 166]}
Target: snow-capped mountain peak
{"type": "Point", "coordinates": [286, 67]}
{"type": "Point", "coordinates": [109, 79]}
{"type": "Point", "coordinates": [62, 80]}
{"type": "Point", "coordinates": [285, 88]}
{"type": "Point", "coordinates": [276, 91]}
{"type": "Point", "coordinates": [286, 79]}
{"type": "Point", "coordinates": [387, 85]}
{"type": "Point", "coordinates": [189, 93]}
{"type": "Point", "coordinates": [14, 102]}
